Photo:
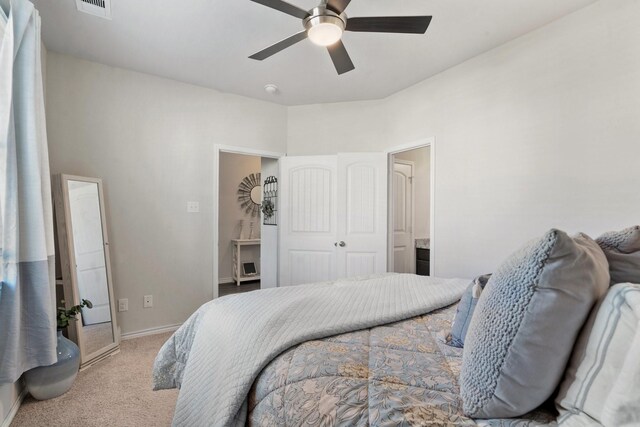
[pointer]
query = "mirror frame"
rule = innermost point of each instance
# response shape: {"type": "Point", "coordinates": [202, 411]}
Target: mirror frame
{"type": "Point", "coordinates": [245, 189]}
{"type": "Point", "coordinates": [67, 259]}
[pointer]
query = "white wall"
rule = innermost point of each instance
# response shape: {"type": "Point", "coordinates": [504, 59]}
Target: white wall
{"type": "Point", "coordinates": [421, 158]}
{"type": "Point", "coordinates": [347, 127]}
{"type": "Point", "coordinates": [151, 141]}
{"type": "Point", "coordinates": [540, 132]}
{"type": "Point", "coordinates": [233, 168]}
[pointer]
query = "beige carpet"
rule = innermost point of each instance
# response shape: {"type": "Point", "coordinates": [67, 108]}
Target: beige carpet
{"type": "Point", "coordinates": [114, 392]}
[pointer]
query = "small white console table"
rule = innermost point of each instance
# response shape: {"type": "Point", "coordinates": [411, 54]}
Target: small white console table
{"type": "Point", "coordinates": [238, 244]}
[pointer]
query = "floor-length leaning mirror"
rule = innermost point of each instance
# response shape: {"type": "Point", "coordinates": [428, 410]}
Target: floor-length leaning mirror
{"type": "Point", "coordinates": [84, 261]}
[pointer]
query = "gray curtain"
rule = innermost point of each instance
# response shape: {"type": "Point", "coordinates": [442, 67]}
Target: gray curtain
{"type": "Point", "coordinates": [27, 290]}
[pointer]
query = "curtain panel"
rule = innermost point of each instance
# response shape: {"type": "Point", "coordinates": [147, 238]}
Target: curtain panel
{"type": "Point", "coordinates": [27, 290]}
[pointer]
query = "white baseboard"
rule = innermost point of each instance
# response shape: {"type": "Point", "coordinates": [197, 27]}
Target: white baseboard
{"type": "Point", "coordinates": [150, 331]}
{"type": "Point", "coordinates": [224, 280]}
{"type": "Point", "coordinates": [14, 408]}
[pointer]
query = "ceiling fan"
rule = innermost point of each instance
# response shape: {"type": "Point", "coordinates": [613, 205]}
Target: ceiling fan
{"type": "Point", "coordinates": [324, 25]}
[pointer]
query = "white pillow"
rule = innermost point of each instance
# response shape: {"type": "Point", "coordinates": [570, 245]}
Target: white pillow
{"type": "Point", "coordinates": [602, 383]}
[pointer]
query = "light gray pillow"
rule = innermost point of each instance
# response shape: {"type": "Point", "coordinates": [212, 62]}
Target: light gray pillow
{"type": "Point", "coordinates": [526, 323]}
{"type": "Point", "coordinates": [465, 310]}
{"type": "Point", "coordinates": [622, 249]}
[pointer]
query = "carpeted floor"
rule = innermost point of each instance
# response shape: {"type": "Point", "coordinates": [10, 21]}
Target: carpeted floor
{"type": "Point", "coordinates": [114, 392]}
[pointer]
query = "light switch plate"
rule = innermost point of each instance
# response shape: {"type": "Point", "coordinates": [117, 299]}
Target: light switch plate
{"type": "Point", "coordinates": [193, 207]}
{"type": "Point", "coordinates": [148, 301]}
{"type": "Point", "coordinates": [123, 304]}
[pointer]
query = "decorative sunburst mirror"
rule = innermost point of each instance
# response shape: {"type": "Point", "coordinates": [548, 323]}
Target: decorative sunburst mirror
{"type": "Point", "coordinates": [250, 194]}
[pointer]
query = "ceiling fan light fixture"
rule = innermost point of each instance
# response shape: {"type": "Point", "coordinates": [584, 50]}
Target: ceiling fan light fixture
{"type": "Point", "coordinates": [324, 28]}
{"type": "Point", "coordinates": [325, 34]}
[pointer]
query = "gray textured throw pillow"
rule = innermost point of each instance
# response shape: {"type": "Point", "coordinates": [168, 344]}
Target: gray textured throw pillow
{"type": "Point", "coordinates": [464, 311]}
{"type": "Point", "coordinates": [526, 323]}
{"type": "Point", "coordinates": [622, 249]}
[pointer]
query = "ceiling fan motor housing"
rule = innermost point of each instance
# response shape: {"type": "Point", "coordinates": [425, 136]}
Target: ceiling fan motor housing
{"type": "Point", "coordinates": [322, 15]}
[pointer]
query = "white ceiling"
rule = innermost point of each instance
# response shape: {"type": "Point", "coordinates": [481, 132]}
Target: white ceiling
{"type": "Point", "coordinates": [207, 42]}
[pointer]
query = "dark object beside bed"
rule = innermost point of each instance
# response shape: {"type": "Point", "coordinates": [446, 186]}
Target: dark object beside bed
{"type": "Point", "coordinates": [423, 262]}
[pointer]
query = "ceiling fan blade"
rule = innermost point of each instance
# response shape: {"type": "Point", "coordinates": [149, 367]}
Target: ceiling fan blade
{"type": "Point", "coordinates": [340, 57]}
{"type": "Point", "coordinates": [285, 7]}
{"type": "Point", "coordinates": [338, 6]}
{"type": "Point", "coordinates": [390, 24]}
{"type": "Point", "coordinates": [281, 45]}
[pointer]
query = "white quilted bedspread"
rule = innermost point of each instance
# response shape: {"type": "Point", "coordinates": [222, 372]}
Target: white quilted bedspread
{"type": "Point", "coordinates": [217, 354]}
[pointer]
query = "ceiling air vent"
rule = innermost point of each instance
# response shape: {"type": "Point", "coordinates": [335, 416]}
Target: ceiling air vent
{"type": "Point", "coordinates": [101, 8]}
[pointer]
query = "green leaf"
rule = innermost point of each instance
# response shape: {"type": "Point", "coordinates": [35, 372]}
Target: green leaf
{"type": "Point", "coordinates": [66, 315]}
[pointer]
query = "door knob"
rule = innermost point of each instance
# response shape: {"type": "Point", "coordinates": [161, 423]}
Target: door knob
{"type": "Point", "coordinates": [342, 244]}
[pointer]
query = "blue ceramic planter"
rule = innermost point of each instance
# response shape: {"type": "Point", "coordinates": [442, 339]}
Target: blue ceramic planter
{"type": "Point", "coordinates": [46, 382]}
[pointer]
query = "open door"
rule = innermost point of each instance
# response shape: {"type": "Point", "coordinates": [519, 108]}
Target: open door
{"type": "Point", "coordinates": [333, 218]}
{"type": "Point", "coordinates": [402, 199]}
{"type": "Point", "coordinates": [269, 225]}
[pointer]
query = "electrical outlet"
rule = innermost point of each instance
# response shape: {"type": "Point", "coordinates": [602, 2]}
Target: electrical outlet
{"type": "Point", "coordinates": [148, 301]}
{"type": "Point", "coordinates": [193, 207]}
{"type": "Point", "coordinates": [123, 304]}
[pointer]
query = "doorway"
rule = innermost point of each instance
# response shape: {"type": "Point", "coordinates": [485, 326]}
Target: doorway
{"type": "Point", "coordinates": [246, 243]}
{"type": "Point", "coordinates": [411, 210]}
{"type": "Point", "coordinates": [334, 217]}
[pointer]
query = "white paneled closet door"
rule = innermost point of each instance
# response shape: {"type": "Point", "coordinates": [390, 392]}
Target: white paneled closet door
{"type": "Point", "coordinates": [333, 217]}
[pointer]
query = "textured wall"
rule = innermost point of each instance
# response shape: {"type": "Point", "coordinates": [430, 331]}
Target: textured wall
{"type": "Point", "coordinates": [151, 141]}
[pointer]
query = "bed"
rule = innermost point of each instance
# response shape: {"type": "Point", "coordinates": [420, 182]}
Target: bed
{"type": "Point", "coordinates": [364, 351]}
{"type": "Point", "coordinates": [551, 323]}
{"type": "Point", "coordinates": [399, 374]}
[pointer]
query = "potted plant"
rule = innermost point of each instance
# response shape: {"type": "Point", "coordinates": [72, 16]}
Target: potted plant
{"type": "Point", "coordinates": [46, 382]}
